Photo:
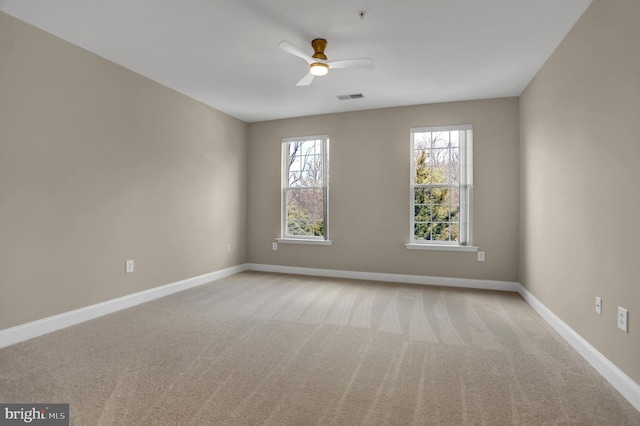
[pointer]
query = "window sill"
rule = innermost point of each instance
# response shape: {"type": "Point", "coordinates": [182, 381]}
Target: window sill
{"type": "Point", "coordinates": [440, 247]}
{"type": "Point", "coordinates": [308, 241]}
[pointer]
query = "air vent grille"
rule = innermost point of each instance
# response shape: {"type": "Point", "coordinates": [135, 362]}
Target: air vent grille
{"type": "Point", "coordinates": [352, 96]}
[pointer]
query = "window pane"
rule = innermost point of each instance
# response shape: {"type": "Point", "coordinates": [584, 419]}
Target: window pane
{"type": "Point", "coordinates": [293, 196]}
{"type": "Point", "coordinates": [294, 179]}
{"type": "Point", "coordinates": [454, 196]}
{"type": "Point", "coordinates": [438, 157]}
{"type": "Point", "coordinates": [454, 231]}
{"type": "Point", "coordinates": [454, 138]}
{"type": "Point", "coordinates": [298, 227]}
{"type": "Point", "coordinates": [451, 175]}
{"type": "Point", "coordinates": [421, 195]}
{"type": "Point", "coordinates": [440, 213]}
{"type": "Point", "coordinates": [438, 195]}
{"type": "Point", "coordinates": [293, 212]}
{"type": "Point", "coordinates": [318, 228]}
{"type": "Point", "coordinates": [312, 176]}
{"type": "Point", "coordinates": [420, 141]}
{"type": "Point", "coordinates": [440, 232]}
{"type": "Point", "coordinates": [420, 166]}
{"type": "Point", "coordinates": [422, 231]}
{"type": "Point", "coordinates": [294, 163]}
{"type": "Point", "coordinates": [422, 213]}
{"type": "Point", "coordinates": [441, 195]}
{"type": "Point", "coordinates": [440, 139]}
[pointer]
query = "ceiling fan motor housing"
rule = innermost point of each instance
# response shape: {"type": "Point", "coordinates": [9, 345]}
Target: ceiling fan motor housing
{"type": "Point", "coordinates": [319, 44]}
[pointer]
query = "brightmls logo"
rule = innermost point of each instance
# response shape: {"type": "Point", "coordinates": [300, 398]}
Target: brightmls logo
{"type": "Point", "coordinates": [28, 416]}
{"type": "Point", "coordinates": [36, 414]}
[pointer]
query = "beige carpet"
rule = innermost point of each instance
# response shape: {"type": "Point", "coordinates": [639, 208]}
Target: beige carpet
{"type": "Point", "coordinates": [259, 348]}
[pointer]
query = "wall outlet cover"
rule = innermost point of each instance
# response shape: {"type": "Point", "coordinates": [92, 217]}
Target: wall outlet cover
{"type": "Point", "coordinates": [623, 319]}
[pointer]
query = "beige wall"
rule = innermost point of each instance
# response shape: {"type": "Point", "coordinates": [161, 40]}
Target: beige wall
{"type": "Point", "coordinates": [369, 191]}
{"type": "Point", "coordinates": [99, 165]}
{"type": "Point", "coordinates": [580, 180]}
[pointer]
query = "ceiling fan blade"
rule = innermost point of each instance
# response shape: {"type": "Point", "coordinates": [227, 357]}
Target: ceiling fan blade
{"type": "Point", "coordinates": [362, 63]}
{"type": "Point", "coordinates": [306, 80]}
{"type": "Point", "coordinates": [294, 50]}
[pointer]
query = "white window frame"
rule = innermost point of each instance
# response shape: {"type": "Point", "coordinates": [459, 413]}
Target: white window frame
{"type": "Point", "coordinates": [305, 239]}
{"type": "Point", "coordinates": [465, 187]}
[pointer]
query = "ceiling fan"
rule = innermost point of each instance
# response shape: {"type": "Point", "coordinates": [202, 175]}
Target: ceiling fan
{"type": "Point", "coordinates": [318, 63]}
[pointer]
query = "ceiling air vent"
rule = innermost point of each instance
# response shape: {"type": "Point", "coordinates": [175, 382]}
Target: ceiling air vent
{"type": "Point", "coordinates": [353, 96]}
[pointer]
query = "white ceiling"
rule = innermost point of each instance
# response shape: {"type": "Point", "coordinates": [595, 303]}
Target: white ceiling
{"type": "Point", "coordinates": [224, 53]}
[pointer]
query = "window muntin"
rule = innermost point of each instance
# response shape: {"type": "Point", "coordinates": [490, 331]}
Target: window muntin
{"type": "Point", "coordinates": [441, 185]}
{"type": "Point", "coordinates": [305, 189]}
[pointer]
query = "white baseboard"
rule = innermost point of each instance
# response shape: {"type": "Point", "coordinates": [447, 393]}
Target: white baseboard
{"type": "Point", "coordinates": [10, 336]}
{"type": "Point", "coordinates": [623, 383]}
{"type": "Point", "coordinates": [397, 278]}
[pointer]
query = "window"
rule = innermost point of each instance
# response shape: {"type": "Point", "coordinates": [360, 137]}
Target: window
{"type": "Point", "coordinates": [441, 187]}
{"type": "Point", "coordinates": [305, 190]}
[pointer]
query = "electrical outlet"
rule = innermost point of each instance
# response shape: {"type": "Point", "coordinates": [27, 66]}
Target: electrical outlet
{"type": "Point", "coordinates": [228, 246]}
{"type": "Point", "coordinates": [598, 305]}
{"type": "Point", "coordinates": [274, 246]}
{"type": "Point", "coordinates": [480, 256]}
{"type": "Point", "coordinates": [128, 266]}
{"type": "Point", "coordinates": [623, 319]}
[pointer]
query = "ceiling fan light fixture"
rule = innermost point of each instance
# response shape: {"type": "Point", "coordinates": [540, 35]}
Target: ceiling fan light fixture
{"type": "Point", "coordinates": [319, 69]}
{"type": "Point", "coordinates": [318, 63]}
